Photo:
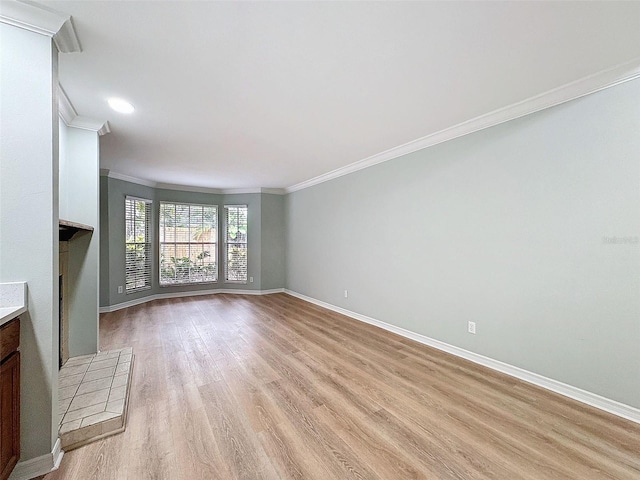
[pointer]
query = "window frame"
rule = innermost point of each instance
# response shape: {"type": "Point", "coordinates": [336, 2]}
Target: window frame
{"type": "Point", "coordinates": [144, 274]}
{"type": "Point", "coordinates": [227, 244]}
{"type": "Point", "coordinates": [213, 241]}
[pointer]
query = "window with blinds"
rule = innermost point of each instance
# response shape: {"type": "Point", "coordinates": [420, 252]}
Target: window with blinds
{"type": "Point", "coordinates": [137, 244]}
{"type": "Point", "coordinates": [236, 243]}
{"type": "Point", "coordinates": [188, 243]}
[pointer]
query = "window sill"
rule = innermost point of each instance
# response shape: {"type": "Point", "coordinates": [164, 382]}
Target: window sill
{"type": "Point", "coordinates": [187, 284]}
{"type": "Point", "coordinates": [137, 290]}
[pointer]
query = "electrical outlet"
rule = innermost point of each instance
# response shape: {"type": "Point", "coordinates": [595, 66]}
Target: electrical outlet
{"type": "Point", "coordinates": [472, 327]}
{"type": "Point", "coordinates": [346, 294]}
{"type": "Point", "coordinates": [120, 289]}
{"type": "Point", "coordinates": [250, 279]}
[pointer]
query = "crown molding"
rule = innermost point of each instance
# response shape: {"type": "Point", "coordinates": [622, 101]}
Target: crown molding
{"type": "Point", "coordinates": [105, 172]}
{"type": "Point", "coordinates": [42, 20]}
{"type": "Point", "coordinates": [273, 191]}
{"type": "Point", "coordinates": [188, 188]}
{"type": "Point", "coordinates": [127, 178]}
{"type": "Point", "coordinates": [88, 123]}
{"type": "Point", "coordinates": [571, 91]}
{"type": "Point", "coordinates": [240, 191]}
{"type": "Point", "coordinates": [70, 117]}
{"type": "Point", "coordinates": [106, 128]}
{"type": "Point", "coordinates": [65, 108]}
{"type": "Point", "coordinates": [237, 191]}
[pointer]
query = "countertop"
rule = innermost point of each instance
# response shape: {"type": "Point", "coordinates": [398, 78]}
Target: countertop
{"type": "Point", "coordinates": [13, 300]}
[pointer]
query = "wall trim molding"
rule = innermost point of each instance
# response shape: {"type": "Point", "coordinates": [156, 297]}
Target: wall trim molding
{"type": "Point", "coordinates": [184, 188]}
{"type": "Point", "coordinates": [611, 406]}
{"type": "Point", "coordinates": [195, 293]}
{"type": "Point", "coordinates": [571, 91]}
{"type": "Point", "coordinates": [273, 191]}
{"type": "Point", "coordinates": [105, 172]}
{"type": "Point", "coordinates": [66, 110]}
{"type": "Point", "coordinates": [44, 21]}
{"type": "Point", "coordinates": [126, 178]}
{"type": "Point", "coordinates": [101, 127]}
{"type": "Point", "coordinates": [236, 191]}
{"type": "Point", "coordinates": [41, 465]}
{"type": "Point", "coordinates": [70, 117]}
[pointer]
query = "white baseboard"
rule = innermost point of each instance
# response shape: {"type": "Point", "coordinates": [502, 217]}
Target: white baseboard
{"type": "Point", "coordinates": [157, 296]}
{"type": "Point", "coordinates": [42, 465]}
{"type": "Point", "coordinates": [611, 406]}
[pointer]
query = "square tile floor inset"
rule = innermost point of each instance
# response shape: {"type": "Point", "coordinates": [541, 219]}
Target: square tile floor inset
{"type": "Point", "coordinates": [100, 364]}
{"type": "Point", "coordinates": [94, 393]}
{"type": "Point", "coordinates": [96, 374]}
{"type": "Point", "coordinates": [70, 380]}
{"type": "Point", "coordinates": [88, 399]}
{"type": "Point", "coordinates": [95, 385]}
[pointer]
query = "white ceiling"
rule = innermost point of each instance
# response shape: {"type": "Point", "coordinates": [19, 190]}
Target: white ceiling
{"type": "Point", "coordinates": [270, 94]}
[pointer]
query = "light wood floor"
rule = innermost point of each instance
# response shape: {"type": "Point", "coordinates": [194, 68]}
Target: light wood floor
{"type": "Point", "coordinates": [247, 387]}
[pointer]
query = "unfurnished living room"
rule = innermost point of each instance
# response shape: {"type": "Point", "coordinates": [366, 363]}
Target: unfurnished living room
{"type": "Point", "coordinates": [319, 240]}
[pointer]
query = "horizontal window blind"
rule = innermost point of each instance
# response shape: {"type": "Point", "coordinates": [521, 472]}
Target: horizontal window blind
{"type": "Point", "coordinates": [137, 244]}
{"type": "Point", "coordinates": [188, 243]}
{"type": "Point", "coordinates": [236, 243]}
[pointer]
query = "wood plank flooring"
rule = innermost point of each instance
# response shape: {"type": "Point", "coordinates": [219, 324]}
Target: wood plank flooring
{"type": "Point", "coordinates": [271, 387]}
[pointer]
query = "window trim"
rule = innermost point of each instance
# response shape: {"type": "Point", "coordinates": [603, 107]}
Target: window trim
{"type": "Point", "coordinates": [215, 242]}
{"type": "Point", "coordinates": [226, 244]}
{"type": "Point", "coordinates": [147, 245]}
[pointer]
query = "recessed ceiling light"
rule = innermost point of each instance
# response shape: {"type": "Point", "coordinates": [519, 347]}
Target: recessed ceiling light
{"type": "Point", "coordinates": [120, 105]}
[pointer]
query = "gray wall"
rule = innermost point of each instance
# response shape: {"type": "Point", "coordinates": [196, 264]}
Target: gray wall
{"type": "Point", "coordinates": [104, 242]}
{"type": "Point", "coordinates": [29, 221]}
{"type": "Point", "coordinates": [79, 176]}
{"type": "Point", "coordinates": [509, 227]}
{"type": "Point", "coordinates": [113, 236]}
{"type": "Point", "coordinates": [273, 238]}
{"type": "Point", "coordinates": [113, 193]}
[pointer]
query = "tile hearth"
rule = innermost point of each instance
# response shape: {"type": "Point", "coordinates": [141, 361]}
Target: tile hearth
{"type": "Point", "coordinates": [93, 392]}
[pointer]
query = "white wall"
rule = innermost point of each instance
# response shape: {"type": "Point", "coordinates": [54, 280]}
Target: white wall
{"type": "Point", "coordinates": [79, 197]}
{"type": "Point", "coordinates": [509, 227]}
{"type": "Point", "coordinates": [29, 220]}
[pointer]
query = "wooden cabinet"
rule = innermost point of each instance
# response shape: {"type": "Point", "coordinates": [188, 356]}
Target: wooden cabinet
{"type": "Point", "coordinates": [9, 397]}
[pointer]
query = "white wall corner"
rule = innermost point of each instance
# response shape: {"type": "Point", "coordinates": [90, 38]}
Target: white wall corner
{"type": "Point", "coordinates": [42, 465]}
{"type": "Point", "coordinates": [42, 20]}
